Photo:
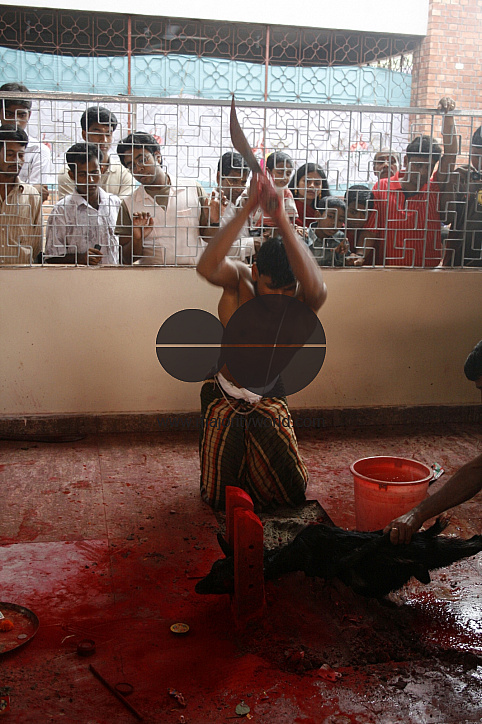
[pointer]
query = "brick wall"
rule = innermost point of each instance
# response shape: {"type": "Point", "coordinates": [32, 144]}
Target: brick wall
{"type": "Point", "coordinates": [449, 59]}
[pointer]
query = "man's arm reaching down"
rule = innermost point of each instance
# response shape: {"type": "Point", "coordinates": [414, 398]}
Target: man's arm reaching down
{"type": "Point", "coordinates": [462, 486]}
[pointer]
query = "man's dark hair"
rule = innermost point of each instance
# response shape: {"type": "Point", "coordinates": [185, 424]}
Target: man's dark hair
{"type": "Point", "coordinates": [139, 139]}
{"type": "Point", "coordinates": [97, 114]}
{"type": "Point", "coordinates": [272, 261]}
{"type": "Point", "coordinates": [231, 161]}
{"type": "Point", "coordinates": [360, 195]}
{"type": "Point", "coordinates": [12, 88]}
{"type": "Point", "coordinates": [303, 171]}
{"type": "Point", "coordinates": [473, 363]}
{"type": "Point", "coordinates": [425, 146]}
{"type": "Point", "coordinates": [81, 153]}
{"type": "Point", "coordinates": [278, 158]}
{"type": "Point", "coordinates": [476, 138]}
{"type": "Point", "coordinates": [15, 135]}
{"type": "Point", "coordinates": [330, 202]}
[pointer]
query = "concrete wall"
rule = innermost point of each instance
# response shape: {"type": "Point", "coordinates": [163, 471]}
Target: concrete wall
{"type": "Point", "coordinates": [83, 340]}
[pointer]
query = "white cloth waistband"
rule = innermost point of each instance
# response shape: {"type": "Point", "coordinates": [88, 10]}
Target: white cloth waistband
{"type": "Point", "coordinates": [239, 393]}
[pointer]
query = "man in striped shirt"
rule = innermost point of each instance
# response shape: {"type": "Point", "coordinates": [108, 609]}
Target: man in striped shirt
{"type": "Point", "coordinates": [404, 227]}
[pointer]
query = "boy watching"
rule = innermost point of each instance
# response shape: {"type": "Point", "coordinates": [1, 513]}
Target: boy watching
{"type": "Point", "coordinates": [20, 203]}
{"type": "Point", "coordinates": [98, 125]}
{"type": "Point", "coordinates": [160, 222]}
{"type": "Point", "coordinates": [279, 166]}
{"type": "Point", "coordinates": [80, 228]}
{"type": "Point", "coordinates": [37, 168]}
{"type": "Point", "coordinates": [231, 178]}
{"type": "Point", "coordinates": [359, 202]}
{"type": "Point", "coordinates": [326, 236]}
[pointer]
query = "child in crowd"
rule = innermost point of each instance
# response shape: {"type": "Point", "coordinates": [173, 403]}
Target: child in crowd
{"type": "Point", "coordinates": [98, 125]}
{"type": "Point", "coordinates": [280, 167]}
{"type": "Point", "coordinates": [20, 203]}
{"type": "Point", "coordinates": [326, 238]}
{"type": "Point", "coordinates": [80, 228]}
{"type": "Point", "coordinates": [308, 185]}
{"type": "Point", "coordinates": [37, 168]}
{"type": "Point", "coordinates": [359, 201]}
{"type": "Point", "coordinates": [231, 177]}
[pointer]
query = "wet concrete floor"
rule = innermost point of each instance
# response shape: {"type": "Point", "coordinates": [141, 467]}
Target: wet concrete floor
{"type": "Point", "coordinates": [105, 538]}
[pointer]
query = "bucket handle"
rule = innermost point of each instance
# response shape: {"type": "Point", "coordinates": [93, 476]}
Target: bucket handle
{"type": "Point", "coordinates": [437, 472]}
{"type": "Point", "coordinates": [382, 486]}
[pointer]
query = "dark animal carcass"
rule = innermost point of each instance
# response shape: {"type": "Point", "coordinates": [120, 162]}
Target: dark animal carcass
{"type": "Point", "coordinates": [367, 562]}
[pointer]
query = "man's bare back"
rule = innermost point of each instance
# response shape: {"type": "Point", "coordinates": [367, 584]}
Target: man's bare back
{"type": "Point", "coordinates": [300, 277]}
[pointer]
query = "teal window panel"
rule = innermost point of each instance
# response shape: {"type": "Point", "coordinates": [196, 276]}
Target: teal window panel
{"type": "Point", "coordinates": [283, 83]}
{"type": "Point", "coordinates": [182, 75]}
{"type": "Point", "coordinates": [189, 75]}
{"type": "Point", "coordinates": [216, 79]}
{"type": "Point", "coordinates": [76, 74]}
{"type": "Point", "coordinates": [148, 74]}
{"type": "Point", "coordinates": [39, 70]}
{"type": "Point", "coordinates": [248, 80]}
{"type": "Point", "coordinates": [346, 85]}
{"type": "Point", "coordinates": [109, 74]}
{"type": "Point", "coordinates": [315, 85]}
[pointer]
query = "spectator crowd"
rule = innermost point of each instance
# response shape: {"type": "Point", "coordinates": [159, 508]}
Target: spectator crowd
{"type": "Point", "coordinates": [127, 208]}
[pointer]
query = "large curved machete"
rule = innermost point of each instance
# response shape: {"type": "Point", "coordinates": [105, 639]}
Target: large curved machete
{"type": "Point", "coordinates": [240, 142]}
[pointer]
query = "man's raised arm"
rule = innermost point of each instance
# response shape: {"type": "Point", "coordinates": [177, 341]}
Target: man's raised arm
{"type": "Point", "coordinates": [449, 134]}
{"type": "Point", "coordinates": [213, 265]}
{"type": "Point", "coordinates": [302, 261]}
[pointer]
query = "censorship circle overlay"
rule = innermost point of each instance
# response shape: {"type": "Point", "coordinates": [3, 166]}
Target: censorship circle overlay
{"type": "Point", "coordinates": [269, 339]}
{"type": "Point", "coordinates": [188, 345]}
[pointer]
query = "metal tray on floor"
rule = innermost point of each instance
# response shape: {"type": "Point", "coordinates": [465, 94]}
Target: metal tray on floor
{"type": "Point", "coordinates": [25, 626]}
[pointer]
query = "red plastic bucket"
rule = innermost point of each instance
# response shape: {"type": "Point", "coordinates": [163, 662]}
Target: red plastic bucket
{"type": "Point", "coordinates": [386, 487]}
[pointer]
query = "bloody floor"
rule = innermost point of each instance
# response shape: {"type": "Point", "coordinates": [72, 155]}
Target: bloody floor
{"type": "Point", "coordinates": [105, 538]}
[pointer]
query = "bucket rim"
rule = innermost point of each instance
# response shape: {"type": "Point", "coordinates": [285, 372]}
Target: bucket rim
{"type": "Point", "coordinates": [426, 479]}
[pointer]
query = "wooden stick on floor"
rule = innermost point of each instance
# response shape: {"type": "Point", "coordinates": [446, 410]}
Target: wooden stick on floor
{"type": "Point", "coordinates": [116, 693]}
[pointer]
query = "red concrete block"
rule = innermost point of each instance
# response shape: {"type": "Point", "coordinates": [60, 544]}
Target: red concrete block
{"type": "Point", "coordinates": [248, 601]}
{"type": "Point", "coordinates": [235, 498]}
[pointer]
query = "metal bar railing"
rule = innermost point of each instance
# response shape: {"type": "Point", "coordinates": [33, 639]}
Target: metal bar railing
{"type": "Point", "coordinates": [193, 135]}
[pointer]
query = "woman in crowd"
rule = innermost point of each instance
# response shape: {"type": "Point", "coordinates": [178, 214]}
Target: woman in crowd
{"type": "Point", "coordinates": [308, 185]}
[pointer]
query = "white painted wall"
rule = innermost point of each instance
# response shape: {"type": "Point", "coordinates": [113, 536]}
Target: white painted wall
{"type": "Point", "coordinates": [83, 340]}
{"type": "Point", "coordinates": [409, 17]}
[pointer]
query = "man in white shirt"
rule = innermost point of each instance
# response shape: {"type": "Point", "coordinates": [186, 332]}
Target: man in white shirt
{"type": "Point", "coordinates": [80, 228]}
{"type": "Point", "coordinates": [37, 169]}
{"type": "Point", "coordinates": [162, 221]}
{"type": "Point", "coordinates": [98, 125]}
{"type": "Point", "coordinates": [20, 204]}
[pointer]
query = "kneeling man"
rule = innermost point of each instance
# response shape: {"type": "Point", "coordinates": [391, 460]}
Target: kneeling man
{"type": "Point", "coordinates": [247, 439]}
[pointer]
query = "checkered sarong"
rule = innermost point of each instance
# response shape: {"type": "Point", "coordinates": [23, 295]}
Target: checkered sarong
{"type": "Point", "coordinates": [257, 452]}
